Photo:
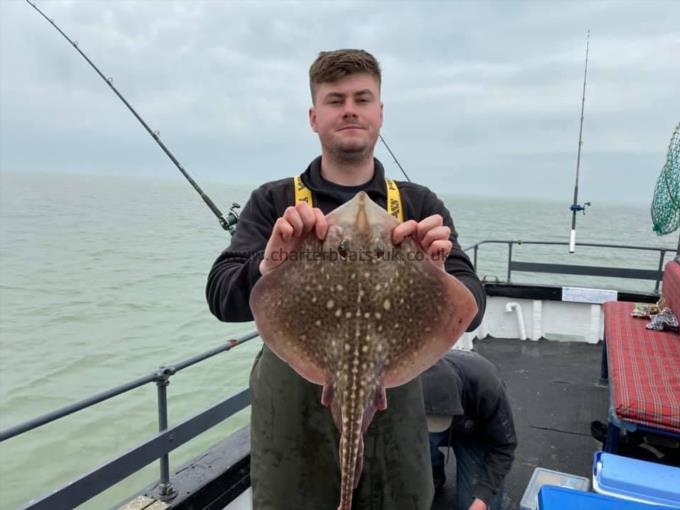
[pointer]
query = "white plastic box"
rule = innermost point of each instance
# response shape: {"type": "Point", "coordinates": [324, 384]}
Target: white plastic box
{"type": "Point", "coordinates": [543, 477]}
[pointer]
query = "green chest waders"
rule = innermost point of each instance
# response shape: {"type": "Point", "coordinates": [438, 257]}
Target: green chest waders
{"type": "Point", "coordinates": [294, 446]}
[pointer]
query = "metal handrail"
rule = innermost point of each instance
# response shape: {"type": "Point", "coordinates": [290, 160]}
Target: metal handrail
{"type": "Point", "coordinates": [160, 377]}
{"type": "Point", "coordinates": [89, 485]}
{"type": "Point", "coordinates": [511, 243]}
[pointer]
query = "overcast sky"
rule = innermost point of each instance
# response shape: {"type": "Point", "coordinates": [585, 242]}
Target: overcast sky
{"type": "Point", "coordinates": [480, 97]}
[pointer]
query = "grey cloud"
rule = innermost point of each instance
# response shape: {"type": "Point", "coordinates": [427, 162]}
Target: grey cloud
{"type": "Point", "coordinates": [480, 97]}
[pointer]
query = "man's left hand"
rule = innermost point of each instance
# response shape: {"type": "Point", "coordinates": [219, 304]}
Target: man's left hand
{"type": "Point", "coordinates": [431, 234]}
{"type": "Point", "coordinates": [478, 504]}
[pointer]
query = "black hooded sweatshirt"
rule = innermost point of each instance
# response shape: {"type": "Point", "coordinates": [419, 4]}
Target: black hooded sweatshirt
{"type": "Point", "coordinates": [467, 386]}
{"type": "Point", "coordinates": [236, 270]}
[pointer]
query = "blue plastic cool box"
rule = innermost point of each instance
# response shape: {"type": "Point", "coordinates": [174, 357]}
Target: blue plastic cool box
{"type": "Point", "coordinates": [636, 480]}
{"type": "Point", "coordinates": [559, 498]}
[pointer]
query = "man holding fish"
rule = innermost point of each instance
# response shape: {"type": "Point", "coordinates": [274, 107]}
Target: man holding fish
{"type": "Point", "coordinates": [366, 304]}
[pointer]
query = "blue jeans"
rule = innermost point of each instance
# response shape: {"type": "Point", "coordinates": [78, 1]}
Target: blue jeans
{"type": "Point", "coordinates": [469, 467]}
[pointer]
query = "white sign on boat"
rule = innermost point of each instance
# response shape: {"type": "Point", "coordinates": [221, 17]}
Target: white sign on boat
{"type": "Point", "coordinates": [586, 295]}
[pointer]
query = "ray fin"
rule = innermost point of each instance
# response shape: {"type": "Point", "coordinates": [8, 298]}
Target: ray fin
{"type": "Point", "coordinates": [460, 305]}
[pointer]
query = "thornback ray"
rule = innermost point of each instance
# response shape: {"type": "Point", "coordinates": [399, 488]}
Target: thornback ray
{"type": "Point", "coordinates": [356, 314]}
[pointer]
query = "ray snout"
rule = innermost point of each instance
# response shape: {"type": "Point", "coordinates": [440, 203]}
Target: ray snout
{"type": "Point", "coordinates": [361, 223]}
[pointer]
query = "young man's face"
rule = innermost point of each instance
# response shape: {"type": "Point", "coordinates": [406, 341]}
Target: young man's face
{"type": "Point", "coordinates": [347, 115]}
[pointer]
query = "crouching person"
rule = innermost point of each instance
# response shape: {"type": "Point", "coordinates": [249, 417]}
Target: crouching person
{"type": "Point", "coordinates": [468, 410]}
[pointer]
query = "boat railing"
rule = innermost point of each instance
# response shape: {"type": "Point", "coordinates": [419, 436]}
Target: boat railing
{"type": "Point", "coordinates": [576, 269]}
{"type": "Point", "coordinates": [156, 448]}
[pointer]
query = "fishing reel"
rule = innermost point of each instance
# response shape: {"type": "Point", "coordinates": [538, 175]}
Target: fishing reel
{"type": "Point", "coordinates": [578, 207]}
{"type": "Point", "coordinates": [229, 223]}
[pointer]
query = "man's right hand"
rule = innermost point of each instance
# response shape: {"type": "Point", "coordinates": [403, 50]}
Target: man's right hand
{"type": "Point", "coordinates": [289, 230]}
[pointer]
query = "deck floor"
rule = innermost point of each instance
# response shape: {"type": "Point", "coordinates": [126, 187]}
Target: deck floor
{"type": "Point", "coordinates": [555, 394]}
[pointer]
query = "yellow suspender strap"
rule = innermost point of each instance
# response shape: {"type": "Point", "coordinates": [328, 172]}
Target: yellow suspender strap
{"type": "Point", "coordinates": [394, 207]}
{"type": "Point", "coordinates": [302, 192]}
{"type": "Point", "coordinates": [394, 200]}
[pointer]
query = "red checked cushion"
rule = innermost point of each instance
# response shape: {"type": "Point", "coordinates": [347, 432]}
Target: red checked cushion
{"type": "Point", "coordinates": [644, 369]}
{"type": "Point", "coordinates": [671, 286]}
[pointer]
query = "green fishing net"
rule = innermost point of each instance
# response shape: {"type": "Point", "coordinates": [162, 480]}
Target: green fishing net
{"type": "Point", "coordinates": [666, 202]}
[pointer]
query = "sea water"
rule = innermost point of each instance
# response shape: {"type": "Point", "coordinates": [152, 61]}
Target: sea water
{"type": "Point", "coordinates": [102, 280]}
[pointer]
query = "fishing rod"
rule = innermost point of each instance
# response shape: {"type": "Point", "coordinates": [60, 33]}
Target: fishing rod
{"type": "Point", "coordinates": [576, 207]}
{"type": "Point", "coordinates": [394, 157]}
{"type": "Point", "coordinates": [227, 222]}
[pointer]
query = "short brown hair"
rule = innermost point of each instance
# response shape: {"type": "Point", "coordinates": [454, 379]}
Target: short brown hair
{"type": "Point", "coordinates": [331, 66]}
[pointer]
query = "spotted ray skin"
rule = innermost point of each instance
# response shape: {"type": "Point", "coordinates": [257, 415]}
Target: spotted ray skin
{"type": "Point", "coordinates": [356, 314]}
